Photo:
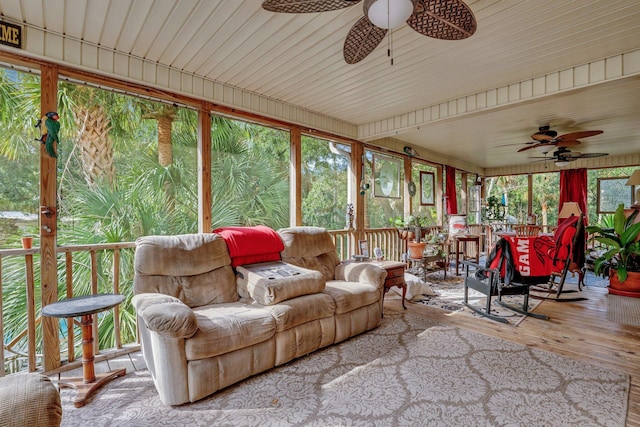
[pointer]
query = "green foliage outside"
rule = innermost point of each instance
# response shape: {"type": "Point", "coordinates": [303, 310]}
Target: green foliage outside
{"type": "Point", "coordinates": [123, 192]}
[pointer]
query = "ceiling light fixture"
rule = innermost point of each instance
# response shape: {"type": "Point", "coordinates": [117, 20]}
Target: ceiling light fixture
{"type": "Point", "coordinates": [562, 163]}
{"type": "Point", "coordinates": [389, 14]}
{"type": "Point", "coordinates": [543, 148]}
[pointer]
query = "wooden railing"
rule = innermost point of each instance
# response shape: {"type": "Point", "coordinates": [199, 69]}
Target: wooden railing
{"type": "Point", "coordinates": [23, 350]}
{"type": "Point", "coordinates": [387, 239]}
{"type": "Point", "coordinates": [15, 351]}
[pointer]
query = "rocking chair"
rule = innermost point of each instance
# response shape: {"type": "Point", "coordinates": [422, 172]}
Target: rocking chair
{"type": "Point", "coordinates": [568, 255]}
{"type": "Point", "coordinates": [488, 282]}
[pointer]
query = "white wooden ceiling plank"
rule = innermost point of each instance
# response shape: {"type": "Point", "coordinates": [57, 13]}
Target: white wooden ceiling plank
{"type": "Point", "coordinates": [114, 23]}
{"type": "Point", "coordinates": [177, 19]}
{"type": "Point", "coordinates": [294, 45]}
{"type": "Point", "coordinates": [13, 9]}
{"type": "Point", "coordinates": [94, 20]}
{"type": "Point", "coordinates": [201, 40]}
{"type": "Point", "coordinates": [33, 12]}
{"type": "Point", "coordinates": [133, 25]}
{"type": "Point", "coordinates": [54, 16]}
{"type": "Point", "coordinates": [73, 9]}
{"type": "Point", "coordinates": [233, 31]}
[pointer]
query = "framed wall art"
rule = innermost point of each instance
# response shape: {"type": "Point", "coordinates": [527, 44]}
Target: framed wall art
{"type": "Point", "coordinates": [363, 246]}
{"type": "Point", "coordinates": [386, 176]}
{"type": "Point", "coordinates": [427, 188]}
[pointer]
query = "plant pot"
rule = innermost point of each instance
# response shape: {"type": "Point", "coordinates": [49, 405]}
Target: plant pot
{"type": "Point", "coordinates": [628, 288]}
{"type": "Point", "coordinates": [27, 242]}
{"type": "Point", "coordinates": [416, 249]}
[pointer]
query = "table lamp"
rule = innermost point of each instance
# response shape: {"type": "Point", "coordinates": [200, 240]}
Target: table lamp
{"type": "Point", "coordinates": [568, 209]}
{"type": "Point", "coordinates": [634, 180]}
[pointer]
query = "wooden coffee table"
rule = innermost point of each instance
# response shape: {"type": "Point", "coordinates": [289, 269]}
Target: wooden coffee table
{"type": "Point", "coordinates": [85, 307]}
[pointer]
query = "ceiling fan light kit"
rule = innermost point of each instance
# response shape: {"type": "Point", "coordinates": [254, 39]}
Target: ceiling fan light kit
{"type": "Point", "coordinates": [562, 163]}
{"type": "Point", "coordinates": [388, 14]}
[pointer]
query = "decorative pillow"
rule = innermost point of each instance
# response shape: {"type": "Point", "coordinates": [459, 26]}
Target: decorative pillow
{"type": "Point", "coordinates": [273, 282]}
{"type": "Point", "coordinates": [457, 224]}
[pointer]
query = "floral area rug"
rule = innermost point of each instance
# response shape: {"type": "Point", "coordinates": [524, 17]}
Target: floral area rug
{"type": "Point", "coordinates": [406, 372]}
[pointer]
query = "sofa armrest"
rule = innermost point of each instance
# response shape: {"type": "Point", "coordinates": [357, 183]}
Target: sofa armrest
{"type": "Point", "coordinates": [361, 272]}
{"type": "Point", "coordinates": [166, 315]}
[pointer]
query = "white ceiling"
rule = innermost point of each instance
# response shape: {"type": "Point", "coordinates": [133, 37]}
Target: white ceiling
{"type": "Point", "coordinates": [297, 58]}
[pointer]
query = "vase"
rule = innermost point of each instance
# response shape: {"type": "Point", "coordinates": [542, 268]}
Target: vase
{"type": "Point", "coordinates": [416, 249]}
{"type": "Point", "coordinates": [27, 242]}
{"type": "Point", "coordinates": [628, 288]}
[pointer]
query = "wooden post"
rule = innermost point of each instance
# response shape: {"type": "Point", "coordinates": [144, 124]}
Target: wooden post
{"type": "Point", "coordinates": [529, 194]}
{"type": "Point", "coordinates": [204, 171]}
{"type": "Point", "coordinates": [295, 173]}
{"type": "Point", "coordinates": [357, 151]}
{"type": "Point", "coordinates": [48, 222]}
{"type": "Point", "coordinates": [438, 194]}
{"type": "Point", "coordinates": [408, 200]}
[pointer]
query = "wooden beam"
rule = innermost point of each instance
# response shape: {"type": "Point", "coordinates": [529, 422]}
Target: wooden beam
{"type": "Point", "coordinates": [408, 200]}
{"type": "Point", "coordinates": [204, 171]}
{"type": "Point", "coordinates": [357, 151]}
{"type": "Point", "coordinates": [529, 194]}
{"type": "Point", "coordinates": [48, 223]}
{"type": "Point", "coordinates": [295, 177]}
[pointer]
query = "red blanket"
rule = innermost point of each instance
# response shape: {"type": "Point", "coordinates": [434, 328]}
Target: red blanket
{"type": "Point", "coordinates": [533, 256]}
{"type": "Point", "coordinates": [250, 245]}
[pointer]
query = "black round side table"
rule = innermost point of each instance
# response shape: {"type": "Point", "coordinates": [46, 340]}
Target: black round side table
{"type": "Point", "coordinates": [85, 307]}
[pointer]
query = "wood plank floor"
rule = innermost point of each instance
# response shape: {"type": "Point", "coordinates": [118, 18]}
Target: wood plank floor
{"type": "Point", "coordinates": [579, 330]}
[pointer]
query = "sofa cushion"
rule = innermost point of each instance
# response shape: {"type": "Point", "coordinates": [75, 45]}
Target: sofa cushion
{"type": "Point", "coordinates": [296, 311]}
{"type": "Point", "coordinates": [192, 267]}
{"type": "Point", "coordinates": [306, 242]}
{"type": "Point", "coordinates": [223, 328]}
{"type": "Point", "coordinates": [251, 245]}
{"type": "Point", "coordinates": [351, 295]}
{"type": "Point", "coordinates": [273, 282]}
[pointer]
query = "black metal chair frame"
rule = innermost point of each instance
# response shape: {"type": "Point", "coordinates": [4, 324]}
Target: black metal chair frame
{"type": "Point", "coordinates": [492, 286]}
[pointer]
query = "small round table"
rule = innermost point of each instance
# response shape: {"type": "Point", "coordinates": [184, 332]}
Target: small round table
{"type": "Point", "coordinates": [85, 307]}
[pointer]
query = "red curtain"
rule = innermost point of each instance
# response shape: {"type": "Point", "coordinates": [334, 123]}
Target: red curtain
{"type": "Point", "coordinates": [451, 195]}
{"type": "Point", "coordinates": [573, 188]}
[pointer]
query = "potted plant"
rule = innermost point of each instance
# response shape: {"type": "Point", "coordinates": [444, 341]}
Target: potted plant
{"type": "Point", "coordinates": [621, 258]}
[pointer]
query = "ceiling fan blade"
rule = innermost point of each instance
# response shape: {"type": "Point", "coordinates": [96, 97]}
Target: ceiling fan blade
{"type": "Point", "coordinates": [515, 143]}
{"type": "Point", "coordinates": [591, 155]}
{"type": "Point", "coordinates": [542, 137]}
{"type": "Point", "coordinates": [568, 143]}
{"type": "Point", "coordinates": [577, 135]}
{"type": "Point", "coordinates": [443, 19]}
{"type": "Point", "coordinates": [306, 6]}
{"type": "Point", "coordinates": [362, 39]}
{"type": "Point", "coordinates": [540, 144]}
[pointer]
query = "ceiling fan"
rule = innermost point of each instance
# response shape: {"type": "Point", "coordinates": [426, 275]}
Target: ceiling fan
{"type": "Point", "coordinates": [546, 139]}
{"type": "Point", "coordinates": [562, 156]}
{"type": "Point", "coordinates": [440, 19]}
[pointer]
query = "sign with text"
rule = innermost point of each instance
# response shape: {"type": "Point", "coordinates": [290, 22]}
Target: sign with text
{"type": "Point", "coordinates": [11, 34]}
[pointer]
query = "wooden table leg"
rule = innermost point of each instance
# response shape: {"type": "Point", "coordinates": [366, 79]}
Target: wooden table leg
{"type": "Point", "coordinates": [89, 382]}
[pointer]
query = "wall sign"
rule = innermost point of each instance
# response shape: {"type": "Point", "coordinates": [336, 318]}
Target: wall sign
{"type": "Point", "coordinates": [11, 34]}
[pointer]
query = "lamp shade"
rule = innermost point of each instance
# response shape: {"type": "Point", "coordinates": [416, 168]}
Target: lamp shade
{"type": "Point", "coordinates": [389, 13]}
{"type": "Point", "coordinates": [568, 209]}
{"type": "Point", "coordinates": [634, 179]}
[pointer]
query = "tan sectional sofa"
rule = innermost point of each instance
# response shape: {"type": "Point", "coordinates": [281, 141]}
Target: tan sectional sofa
{"type": "Point", "coordinates": [204, 326]}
